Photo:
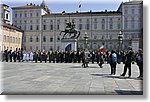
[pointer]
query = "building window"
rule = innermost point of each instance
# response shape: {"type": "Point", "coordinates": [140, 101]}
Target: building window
{"type": "Point", "coordinates": [132, 23]}
{"type": "Point", "coordinates": [57, 27]}
{"type": "Point", "coordinates": [44, 27]}
{"type": "Point", "coordinates": [37, 27]}
{"type": "Point", "coordinates": [30, 14]}
{"type": "Point", "coordinates": [30, 21]}
{"type": "Point", "coordinates": [4, 38]}
{"type": "Point", "coordinates": [7, 39]}
{"type": "Point", "coordinates": [102, 36]}
{"type": "Point", "coordinates": [37, 14]}
{"type": "Point", "coordinates": [51, 27]}
{"type": "Point", "coordinates": [95, 26]}
{"type": "Point", "coordinates": [126, 23]}
{"type": "Point", "coordinates": [51, 39]}
{"type": "Point", "coordinates": [88, 26]}
{"type": "Point", "coordinates": [110, 36]}
{"type": "Point", "coordinates": [44, 39]}
{"type": "Point", "coordinates": [16, 40]}
{"type": "Point", "coordinates": [132, 11]}
{"type": "Point", "coordinates": [19, 41]}
{"type": "Point", "coordinates": [126, 11]}
{"type": "Point", "coordinates": [119, 26]}
{"type": "Point", "coordinates": [10, 39]}
{"type": "Point", "coordinates": [20, 15]}
{"type": "Point", "coordinates": [25, 14]}
{"type": "Point", "coordinates": [37, 21]}
{"type": "Point", "coordinates": [111, 26]}
{"type": "Point", "coordinates": [7, 16]}
{"type": "Point", "coordinates": [103, 24]}
{"type": "Point", "coordinates": [95, 37]}
{"type": "Point", "coordinates": [65, 21]}
{"type": "Point", "coordinates": [31, 27]}
{"type": "Point", "coordinates": [80, 26]}
{"type": "Point", "coordinates": [95, 20]}
{"type": "Point", "coordinates": [37, 39]}
{"type": "Point", "coordinates": [31, 39]}
{"type": "Point", "coordinates": [16, 15]}
{"type": "Point", "coordinates": [13, 39]}
{"type": "Point", "coordinates": [37, 48]}
{"type": "Point", "coordinates": [24, 27]}
{"type": "Point", "coordinates": [58, 21]}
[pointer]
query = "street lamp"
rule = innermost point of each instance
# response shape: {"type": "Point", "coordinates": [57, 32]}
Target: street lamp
{"type": "Point", "coordinates": [86, 39]}
{"type": "Point", "coordinates": [120, 39]}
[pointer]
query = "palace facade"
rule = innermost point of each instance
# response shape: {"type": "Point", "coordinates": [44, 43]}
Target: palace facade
{"type": "Point", "coordinates": [42, 27]}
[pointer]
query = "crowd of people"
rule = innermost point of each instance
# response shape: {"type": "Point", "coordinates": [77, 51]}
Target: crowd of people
{"type": "Point", "coordinates": [110, 57]}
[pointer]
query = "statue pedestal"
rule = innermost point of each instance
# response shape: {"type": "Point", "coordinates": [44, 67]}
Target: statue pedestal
{"type": "Point", "coordinates": [69, 44]}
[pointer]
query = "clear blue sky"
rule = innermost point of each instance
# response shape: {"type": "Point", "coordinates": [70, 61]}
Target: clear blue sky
{"type": "Point", "coordinates": [70, 5]}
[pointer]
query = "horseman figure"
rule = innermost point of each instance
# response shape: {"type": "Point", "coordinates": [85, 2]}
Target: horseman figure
{"type": "Point", "coordinates": [71, 31]}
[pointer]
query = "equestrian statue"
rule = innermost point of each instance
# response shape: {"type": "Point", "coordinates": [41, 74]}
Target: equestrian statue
{"type": "Point", "coordinates": [71, 31]}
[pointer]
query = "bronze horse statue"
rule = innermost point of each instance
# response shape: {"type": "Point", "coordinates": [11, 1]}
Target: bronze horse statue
{"type": "Point", "coordinates": [70, 29]}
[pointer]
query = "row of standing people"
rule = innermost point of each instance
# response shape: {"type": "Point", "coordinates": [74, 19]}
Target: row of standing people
{"type": "Point", "coordinates": [80, 56]}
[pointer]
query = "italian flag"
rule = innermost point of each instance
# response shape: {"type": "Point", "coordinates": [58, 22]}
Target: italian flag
{"type": "Point", "coordinates": [101, 49]}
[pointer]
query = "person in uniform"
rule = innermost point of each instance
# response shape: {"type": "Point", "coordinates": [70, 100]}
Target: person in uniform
{"type": "Point", "coordinates": [139, 61]}
{"type": "Point", "coordinates": [10, 55]}
{"type": "Point", "coordinates": [14, 55]}
{"type": "Point", "coordinates": [128, 60]}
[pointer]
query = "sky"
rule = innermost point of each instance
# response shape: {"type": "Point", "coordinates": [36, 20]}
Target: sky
{"type": "Point", "coordinates": [69, 5]}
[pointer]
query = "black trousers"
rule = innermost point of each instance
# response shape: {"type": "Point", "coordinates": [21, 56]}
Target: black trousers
{"type": "Point", "coordinates": [113, 67]}
{"type": "Point", "coordinates": [141, 69]}
{"type": "Point", "coordinates": [127, 66]}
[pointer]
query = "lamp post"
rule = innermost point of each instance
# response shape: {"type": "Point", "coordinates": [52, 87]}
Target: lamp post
{"type": "Point", "coordinates": [120, 39]}
{"type": "Point", "coordinates": [86, 39]}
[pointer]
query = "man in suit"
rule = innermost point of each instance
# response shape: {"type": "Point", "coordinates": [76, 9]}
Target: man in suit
{"type": "Point", "coordinates": [128, 60]}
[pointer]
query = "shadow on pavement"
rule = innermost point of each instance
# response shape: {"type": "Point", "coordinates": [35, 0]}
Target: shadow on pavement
{"type": "Point", "coordinates": [113, 76]}
{"type": "Point", "coordinates": [129, 92]}
{"type": "Point", "coordinates": [82, 67]}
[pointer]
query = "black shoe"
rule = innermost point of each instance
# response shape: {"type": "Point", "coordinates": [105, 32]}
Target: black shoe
{"type": "Point", "coordinates": [122, 75]}
{"type": "Point", "coordinates": [129, 76]}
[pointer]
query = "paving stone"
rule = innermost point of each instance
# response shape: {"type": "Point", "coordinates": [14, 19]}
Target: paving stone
{"type": "Point", "coordinates": [68, 78]}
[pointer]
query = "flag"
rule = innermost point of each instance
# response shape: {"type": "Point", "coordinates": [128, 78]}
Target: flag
{"type": "Point", "coordinates": [63, 12]}
{"type": "Point", "coordinates": [68, 47]}
{"type": "Point", "coordinates": [80, 4]}
{"type": "Point", "coordinates": [101, 49]}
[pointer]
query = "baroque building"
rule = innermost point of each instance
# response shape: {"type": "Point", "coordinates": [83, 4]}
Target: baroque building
{"type": "Point", "coordinates": [10, 35]}
{"type": "Point", "coordinates": [42, 27]}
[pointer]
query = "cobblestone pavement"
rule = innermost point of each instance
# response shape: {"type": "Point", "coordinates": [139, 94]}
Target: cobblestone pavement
{"type": "Point", "coordinates": [68, 78]}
